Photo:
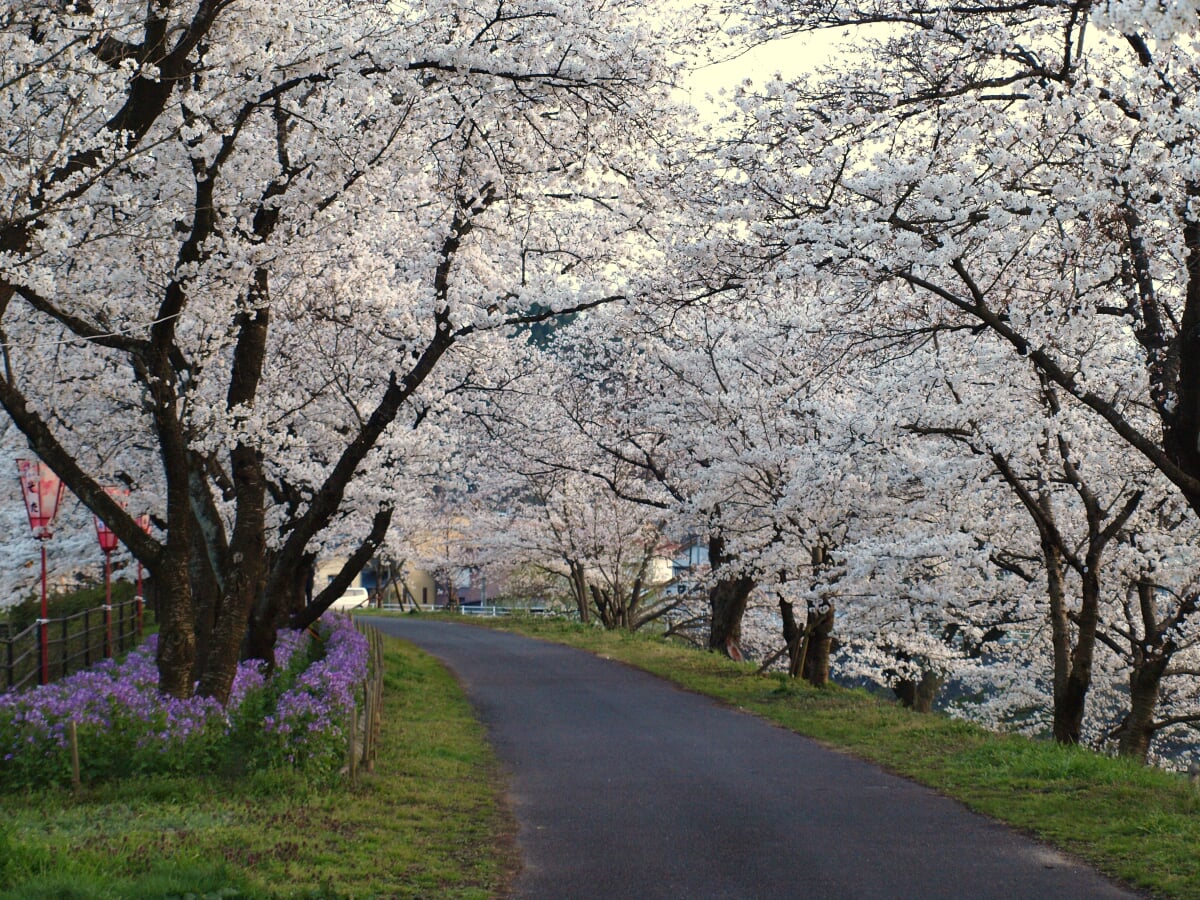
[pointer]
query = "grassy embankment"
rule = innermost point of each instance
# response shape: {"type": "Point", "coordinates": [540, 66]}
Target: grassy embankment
{"type": "Point", "coordinates": [1137, 824]}
{"type": "Point", "coordinates": [427, 823]}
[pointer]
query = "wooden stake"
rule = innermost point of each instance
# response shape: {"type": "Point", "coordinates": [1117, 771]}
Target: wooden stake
{"type": "Point", "coordinates": [74, 735]}
{"type": "Point", "coordinates": [366, 741]}
{"type": "Point", "coordinates": [353, 729]}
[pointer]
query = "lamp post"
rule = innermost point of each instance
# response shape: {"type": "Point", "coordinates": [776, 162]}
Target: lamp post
{"type": "Point", "coordinates": [42, 491]}
{"type": "Point", "coordinates": [144, 521]}
{"type": "Point", "coordinates": [108, 543]}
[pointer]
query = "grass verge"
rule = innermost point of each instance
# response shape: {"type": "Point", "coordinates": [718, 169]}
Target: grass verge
{"type": "Point", "coordinates": [1136, 824]}
{"type": "Point", "coordinates": [424, 824]}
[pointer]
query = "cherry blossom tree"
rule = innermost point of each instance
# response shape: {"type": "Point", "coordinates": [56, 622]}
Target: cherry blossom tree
{"type": "Point", "coordinates": [255, 239]}
{"type": "Point", "coordinates": [1017, 169]}
{"type": "Point", "coordinates": [1023, 174]}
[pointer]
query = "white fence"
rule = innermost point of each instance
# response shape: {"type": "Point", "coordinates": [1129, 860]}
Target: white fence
{"type": "Point", "coordinates": [472, 610]}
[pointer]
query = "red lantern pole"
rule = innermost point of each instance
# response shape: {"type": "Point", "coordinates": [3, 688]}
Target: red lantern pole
{"type": "Point", "coordinates": [42, 491]}
{"type": "Point", "coordinates": [43, 622]}
{"type": "Point", "coordinates": [108, 543]}
{"type": "Point", "coordinates": [108, 642]}
{"type": "Point", "coordinates": [144, 521]}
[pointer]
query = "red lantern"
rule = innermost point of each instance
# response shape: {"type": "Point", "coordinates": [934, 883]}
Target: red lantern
{"type": "Point", "coordinates": [106, 536]}
{"type": "Point", "coordinates": [42, 491]}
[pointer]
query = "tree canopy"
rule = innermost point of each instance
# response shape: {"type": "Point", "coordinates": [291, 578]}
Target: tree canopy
{"type": "Point", "coordinates": [905, 341]}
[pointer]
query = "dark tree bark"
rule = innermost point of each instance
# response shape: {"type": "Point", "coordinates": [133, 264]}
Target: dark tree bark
{"type": "Point", "coordinates": [1149, 654]}
{"type": "Point", "coordinates": [1069, 694]}
{"type": "Point", "coordinates": [346, 574]}
{"type": "Point", "coordinates": [1137, 730]}
{"type": "Point", "coordinates": [205, 598]}
{"type": "Point", "coordinates": [793, 636]}
{"type": "Point", "coordinates": [266, 619]}
{"type": "Point", "coordinates": [727, 601]}
{"type": "Point", "coordinates": [818, 629]}
{"type": "Point", "coordinates": [600, 602]}
{"type": "Point", "coordinates": [921, 694]}
{"type": "Point", "coordinates": [176, 652]}
{"type": "Point", "coordinates": [1073, 632]}
{"type": "Point", "coordinates": [579, 590]}
{"type": "Point", "coordinates": [819, 640]}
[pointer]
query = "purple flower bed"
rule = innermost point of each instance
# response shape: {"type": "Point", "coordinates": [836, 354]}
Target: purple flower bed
{"type": "Point", "coordinates": [125, 726]}
{"type": "Point", "coordinates": [310, 717]}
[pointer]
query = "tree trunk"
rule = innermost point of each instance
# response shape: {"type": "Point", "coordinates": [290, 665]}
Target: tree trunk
{"type": "Point", "coordinates": [727, 602]}
{"type": "Point", "coordinates": [1181, 420]}
{"type": "Point", "coordinates": [266, 619]}
{"type": "Point", "coordinates": [1060, 640]}
{"type": "Point", "coordinates": [176, 635]}
{"type": "Point", "coordinates": [818, 629]}
{"type": "Point", "coordinates": [634, 604]}
{"type": "Point", "coordinates": [275, 586]}
{"type": "Point", "coordinates": [919, 696]}
{"type": "Point", "coordinates": [579, 591]}
{"type": "Point", "coordinates": [205, 599]}
{"type": "Point", "coordinates": [1072, 665]}
{"type": "Point", "coordinates": [245, 580]}
{"type": "Point", "coordinates": [244, 586]}
{"type": "Point", "coordinates": [604, 611]}
{"type": "Point", "coordinates": [906, 692]}
{"type": "Point", "coordinates": [1137, 731]}
{"type": "Point", "coordinates": [1150, 657]}
{"type": "Point", "coordinates": [1070, 695]}
{"type": "Point", "coordinates": [793, 636]}
{"type": "Point", "coordinates": [819, 639]}
{"type": "Point", "coordinates": [176, 656]}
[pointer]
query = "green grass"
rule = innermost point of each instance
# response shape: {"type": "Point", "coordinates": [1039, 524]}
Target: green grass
{"type": "Point", "coordinates": [1134, 823]}
{"type": "Point", "coordinates": [429, 822]}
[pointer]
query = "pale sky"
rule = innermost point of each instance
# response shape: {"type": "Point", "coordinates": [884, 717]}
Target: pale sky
{"type": "Point", "coordinates": [790, 56]}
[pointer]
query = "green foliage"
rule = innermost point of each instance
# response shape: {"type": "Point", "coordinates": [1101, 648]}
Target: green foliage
{"type": "Point", "coordinates": [248, 746]}
{"type": "Point", "coordinates": [107, 753]}
{"type": "Point", "coordinates": [25, 613]}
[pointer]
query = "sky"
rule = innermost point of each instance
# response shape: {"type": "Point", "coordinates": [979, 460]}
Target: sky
{"type": "Point", "coordinates": [790, 57]}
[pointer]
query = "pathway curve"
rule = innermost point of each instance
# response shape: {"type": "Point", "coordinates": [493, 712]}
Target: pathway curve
{"type": "Point", "coordinates": [624, 786]}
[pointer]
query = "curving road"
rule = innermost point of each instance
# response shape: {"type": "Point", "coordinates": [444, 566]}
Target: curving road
{"type": "Point", "coordinates": [624, 786]}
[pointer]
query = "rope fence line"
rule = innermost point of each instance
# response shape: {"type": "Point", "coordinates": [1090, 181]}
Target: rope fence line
{"type": "Point", "coordinates": [75, 642]}
{"type": "Point", "coordinates": [366, 718]}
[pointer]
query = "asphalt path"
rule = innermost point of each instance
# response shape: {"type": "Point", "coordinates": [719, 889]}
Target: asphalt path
{"type": "Point", "coordinates": [624, 786]}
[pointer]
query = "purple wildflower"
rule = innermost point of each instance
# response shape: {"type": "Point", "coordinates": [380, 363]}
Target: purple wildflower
{"type": "Point", "coordinates": [126, 723]}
